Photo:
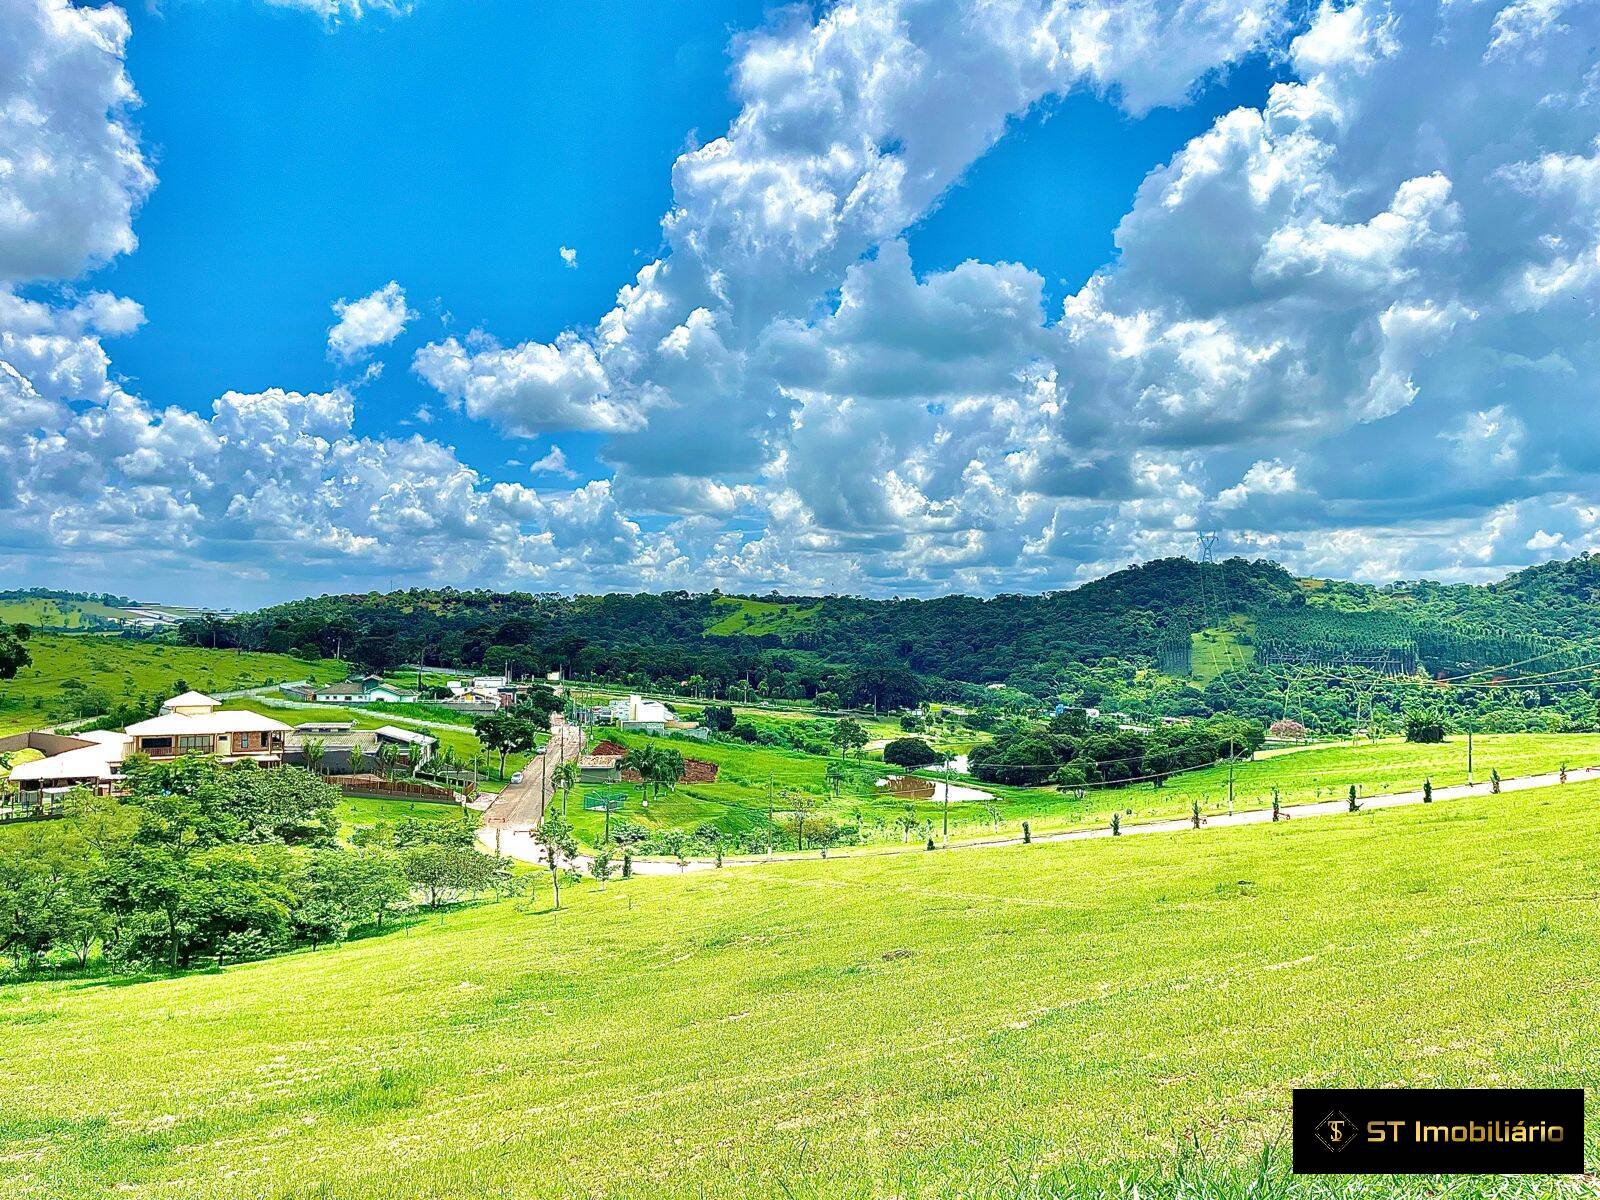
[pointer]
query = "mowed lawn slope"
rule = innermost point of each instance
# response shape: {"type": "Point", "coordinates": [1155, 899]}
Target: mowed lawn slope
{"type": "Point", "coordinates": [1037, 1021]}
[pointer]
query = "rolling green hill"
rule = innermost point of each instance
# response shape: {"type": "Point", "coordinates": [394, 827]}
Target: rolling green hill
{"type": "Point", "coordinates": [1171, 617]}
{"type": "Point", "coordinates": [74, 675]}
{"type": "Point", "coordinates": [1042, 1021]}
{"type": "Point", "coordinates": [55, 614]}
{"type": "Point", "coordinates": [758, 618]}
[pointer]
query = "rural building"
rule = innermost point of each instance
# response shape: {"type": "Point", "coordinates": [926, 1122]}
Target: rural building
{"type": "Point", "coordinates": [340, 742]}
{"type": "Point", "coordinates": [188, 724]}
{"type": "Point", "coordinates": [195, 724]}
{"type": "Point", "coordinates": [599, 768]}
{"type": "Point", "coordinates": [86, 760]}
{"type": "Point", "coordinates": [632, 712]}
{"type": "Point", "coordinates": [417, 747]}
{"type": "Point", "coordinates": [364, 690]}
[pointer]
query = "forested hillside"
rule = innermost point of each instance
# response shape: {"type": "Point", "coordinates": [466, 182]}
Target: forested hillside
{"type": "Point", "coordinates": [1129, 639]}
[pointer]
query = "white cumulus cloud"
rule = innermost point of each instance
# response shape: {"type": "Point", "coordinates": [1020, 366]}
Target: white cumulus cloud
{"type": "Point", "coordinates": [365, 324]}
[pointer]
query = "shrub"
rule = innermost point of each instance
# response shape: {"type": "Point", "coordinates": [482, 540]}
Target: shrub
{"type": "Point", "coordinates": [1425, 728]}
{"type": "Point", "coordinates": [910, 752]}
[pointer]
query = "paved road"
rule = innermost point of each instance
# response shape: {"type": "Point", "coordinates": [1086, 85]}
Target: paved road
{"type": "Point", "coordinates": [522, 847]}
{"type": "Point", "coordinates": [520, 807]}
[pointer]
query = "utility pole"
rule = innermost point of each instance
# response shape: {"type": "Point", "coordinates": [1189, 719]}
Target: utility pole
{"type": "Point", "coordinates": [1230, 774]}
{"type": "Point", "coordinates": [1469, 753]}
{"type": "Point", "coordinates": [947, 801]}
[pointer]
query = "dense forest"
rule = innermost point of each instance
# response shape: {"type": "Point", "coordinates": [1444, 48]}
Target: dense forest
{"type": "Point", "coordinates": [1127, 640]}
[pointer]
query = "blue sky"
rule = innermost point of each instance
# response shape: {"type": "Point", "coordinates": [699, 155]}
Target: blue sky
{"type": "Point", "coordinates": [301, 164]}
{"type": "Point", "coordinates": [882, 296]}
{"type": "Point", "coordinates": [470, 168]}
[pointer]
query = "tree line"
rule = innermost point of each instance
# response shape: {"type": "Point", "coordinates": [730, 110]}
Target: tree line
{"type": "Point", "coordinates": [201, 862]}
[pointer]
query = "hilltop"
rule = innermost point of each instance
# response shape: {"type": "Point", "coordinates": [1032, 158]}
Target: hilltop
{"type": "Point", "coordinates": [1167, 637]}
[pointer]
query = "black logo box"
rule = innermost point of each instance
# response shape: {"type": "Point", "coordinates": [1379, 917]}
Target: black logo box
{"type": "Point", "coordinates": [1417, 1131]}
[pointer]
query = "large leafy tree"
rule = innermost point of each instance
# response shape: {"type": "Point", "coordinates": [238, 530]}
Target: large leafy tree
{"type": "Point", "coordinates": [13, 652]}
{"type": "Point", "coordinates": [505, 733]}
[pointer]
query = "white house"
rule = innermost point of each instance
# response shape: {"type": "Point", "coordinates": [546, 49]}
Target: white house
{"type": "Point", "coordinates": [364, 690]}
{"type": "Point", "coordinates": [188, 724]}
{"type": "Point", "coordinates": [196, 724]}
{"type": "Point", "coordinates": [91, 760]}
{"type": "Point", "coordinates": [636, 710]}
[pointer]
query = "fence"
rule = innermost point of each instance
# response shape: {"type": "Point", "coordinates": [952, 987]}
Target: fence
{"type": "Point", "coordinates": [393, 789]}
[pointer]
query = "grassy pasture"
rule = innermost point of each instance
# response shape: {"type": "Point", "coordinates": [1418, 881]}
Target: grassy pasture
{"type": "Point", "coordinates": [1376, 768]}
{"type": "Point", "coordinates": [123, 668]}
{"type": "Point", "coordinates": [42, 613]}
{"type": "Point", "coordinates": [1044, 1021]}
{"type": "Point", "coordinates": [739, 615]}
{"type": "Point", "coordinates": [355, 812]}
{"type": "Point", "coordinates": [1213, 651]}
{"type": "Point", "coordinates": [739, 796]}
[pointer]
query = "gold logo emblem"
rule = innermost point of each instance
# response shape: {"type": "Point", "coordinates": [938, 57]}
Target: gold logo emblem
{"type": "Point", "coordinates": [1336, 1131]}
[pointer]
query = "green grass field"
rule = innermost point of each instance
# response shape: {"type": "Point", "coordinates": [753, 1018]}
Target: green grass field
{"type": "Point", "coordinates": [355, 812]}
{"type": "Point", "coordinates": [57, 614]}
{"type": "Point", "coordinates": [122, 669]}
{"type": "Point", "coordinates": [1302, 777]}
{"type": "Point", "coordinates": [1043, 1021]}
{"type": "Point", "coordinates": [738, 798]}
{"type": "Point", "coordinates": [1216, 650]}
{"type": "Point", "coordinates": [738, 615]}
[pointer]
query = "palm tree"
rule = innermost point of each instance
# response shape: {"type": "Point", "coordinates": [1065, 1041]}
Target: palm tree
{"type": "Point", "coordinates": [314, 751]}
{"type": "Point", "coordinates": [565, 777]}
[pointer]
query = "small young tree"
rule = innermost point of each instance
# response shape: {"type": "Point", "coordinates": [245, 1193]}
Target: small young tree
{"type": "Point", "coordinates": [388, 757]}
{"type": "Point", "coordinates": [833, 775]}
{"type": "Point", "coordinates": [677, 845]}
{"type": "Point", "coordinates": [565, 777]}
{"type": "Point", "coordinates": [1494, 782]}
{"type": "Point", "coordinates": [315, 750]}
{"type": "Point", "coordinates": [555, 837]}
{"type": "Point", "coordinates": [1194, 814]}
{"type": "Point", "coordinates": [600, 865]}
{"type": "Point", "coordinates": [1351, 799]}
{"type": "Point", "coordinates": [1277, 805]}
{"type": "Point", "coordinates": [1116, 824]}
{"type": "Point", "coordinates": [1563, 772]}
{"type": "Point", "coordinates": [1427, 791]}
